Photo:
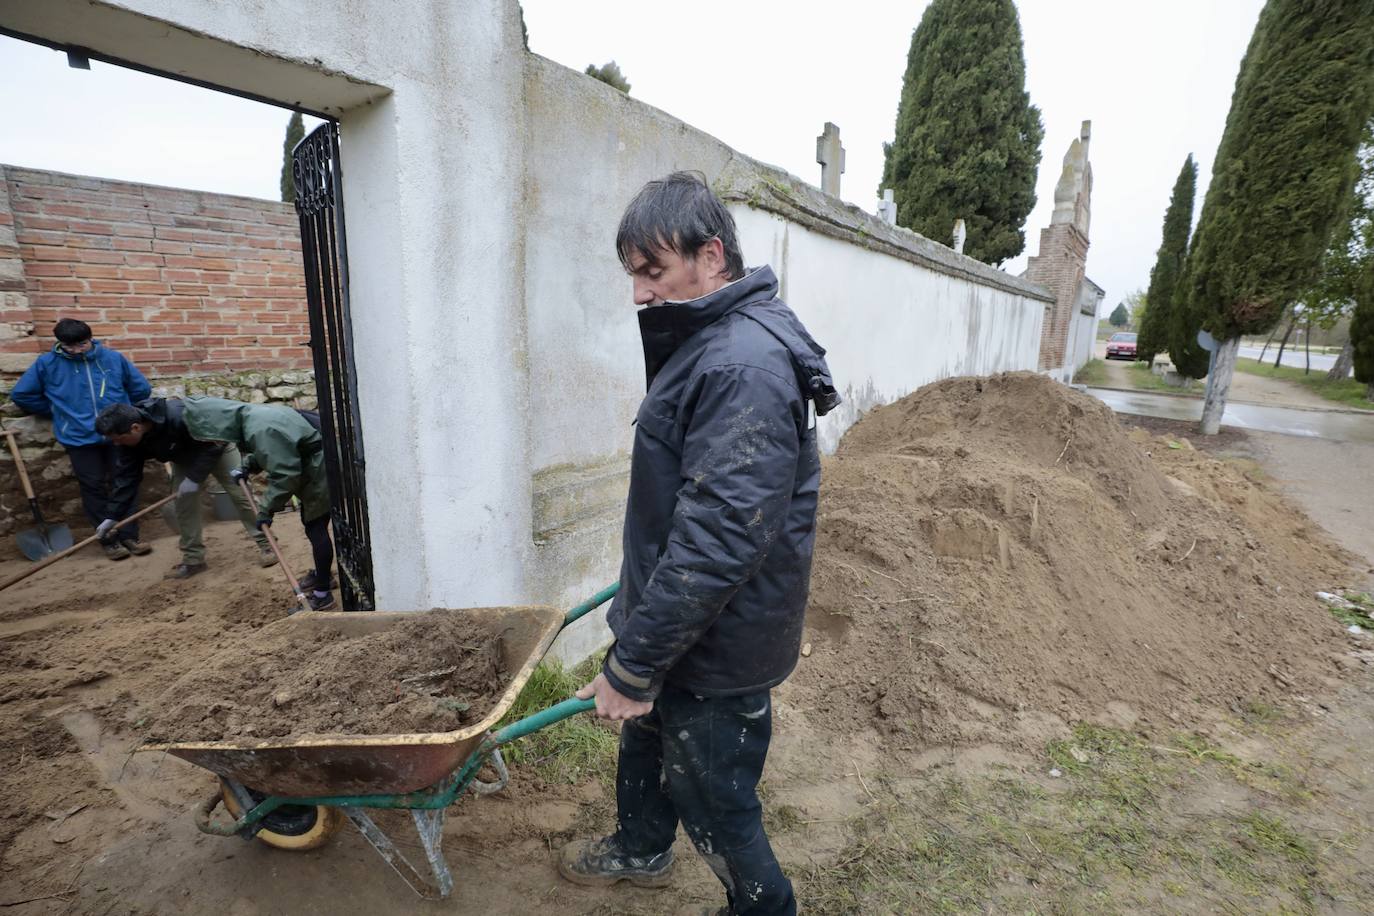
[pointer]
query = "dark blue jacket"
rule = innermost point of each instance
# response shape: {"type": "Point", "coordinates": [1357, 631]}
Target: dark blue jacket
{"type": "Point", "coordinates": [720, 523]}
{"type": "Point", "coordinates": [73, 388]}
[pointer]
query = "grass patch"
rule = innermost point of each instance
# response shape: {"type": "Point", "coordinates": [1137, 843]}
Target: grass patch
{"type": "Point", "coordinates": [1141, 377]}
{"type": "Point", "coordinates": [1122, 826]}
{"type": "Point", "coordinates": [575, 749]}
{"type": "Point", "coordinates": [1093, 372]}
{"type": "Point", "coordinates": [1347, 392]}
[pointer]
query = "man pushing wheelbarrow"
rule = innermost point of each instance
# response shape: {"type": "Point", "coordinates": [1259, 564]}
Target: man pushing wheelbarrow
{"type": "Point", "coordinates": [719, 531]}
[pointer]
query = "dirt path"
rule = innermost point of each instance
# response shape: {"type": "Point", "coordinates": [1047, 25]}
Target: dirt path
{"type": "Point", "coordinates": [1268, 806]}
{"type": "Point", "coordinates": [1245, 388]}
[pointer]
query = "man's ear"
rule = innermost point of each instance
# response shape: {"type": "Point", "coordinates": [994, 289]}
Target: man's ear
{"type": "Point", "coordinates": [712, 255]}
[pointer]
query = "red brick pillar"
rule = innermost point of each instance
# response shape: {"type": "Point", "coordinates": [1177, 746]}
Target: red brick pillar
{"type": "Point", "coordinates": [1059, 267]}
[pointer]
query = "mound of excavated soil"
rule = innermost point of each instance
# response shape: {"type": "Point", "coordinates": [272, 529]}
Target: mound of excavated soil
{"type": "Point", "coordinates": [996, 557]}
{"type": "Point", "coordinates": [432, 673]}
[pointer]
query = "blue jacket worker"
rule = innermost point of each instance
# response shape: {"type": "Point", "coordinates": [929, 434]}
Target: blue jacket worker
{"type": "Point", "coordinates": [719, 531]}
{"type": "Point", "coordinates": [72, 383]}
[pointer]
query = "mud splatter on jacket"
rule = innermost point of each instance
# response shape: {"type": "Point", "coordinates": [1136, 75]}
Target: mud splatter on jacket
{"type": "Point", "coordinates": [720, 523]}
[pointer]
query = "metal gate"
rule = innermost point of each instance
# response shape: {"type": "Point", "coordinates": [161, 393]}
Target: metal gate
{"type": "Point", "coordinates": [319, 202]}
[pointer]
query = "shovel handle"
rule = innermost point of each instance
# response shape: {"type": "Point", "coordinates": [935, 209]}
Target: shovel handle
{"type": "Point", "coordinates": [42, 564]}
{"type": "Point", "coordinates": [276, 551]}
{"type": "Point", "coordinates": [19, 466]}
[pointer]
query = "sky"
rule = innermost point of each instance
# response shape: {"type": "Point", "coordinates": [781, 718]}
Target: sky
{"type": "Point", "coordinates": [1154, 78]}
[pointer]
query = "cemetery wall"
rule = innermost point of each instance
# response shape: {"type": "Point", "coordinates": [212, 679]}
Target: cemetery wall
{"type": "Point", "coordinates": [895, 310]}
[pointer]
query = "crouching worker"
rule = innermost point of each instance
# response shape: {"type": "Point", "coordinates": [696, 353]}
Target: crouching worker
{"type": "Point", "coordinates": [278, 440]}
{"type": "Point", "coordinates": [155, 430]}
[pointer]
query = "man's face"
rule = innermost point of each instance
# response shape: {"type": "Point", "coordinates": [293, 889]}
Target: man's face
{"type": "Point", "coordinates": [669, 277]}
{"type": "Point", "coordinates": [133, 437]}
{"type": "Point", "coordinates": [76, 349]}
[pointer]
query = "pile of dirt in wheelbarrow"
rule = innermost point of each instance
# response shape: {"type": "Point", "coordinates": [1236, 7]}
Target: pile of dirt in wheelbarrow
{"type": "Point", "coordinates": [997, 558]}
{"type": "Point", "coordinates": [432, 673]}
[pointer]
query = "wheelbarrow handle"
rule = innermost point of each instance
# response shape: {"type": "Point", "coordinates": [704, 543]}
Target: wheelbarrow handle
{"type": "Point", "coordinates": [595, 601]}
{"type": "Point", "coordinates": [542, 719]}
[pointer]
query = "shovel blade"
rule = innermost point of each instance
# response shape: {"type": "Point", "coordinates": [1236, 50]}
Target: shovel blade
{"type": "Point", "coordinates": [41, 543]}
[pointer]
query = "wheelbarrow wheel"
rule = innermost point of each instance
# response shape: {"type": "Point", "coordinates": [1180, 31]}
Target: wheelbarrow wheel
{"type": "Point", "coordinates": [295, 828]}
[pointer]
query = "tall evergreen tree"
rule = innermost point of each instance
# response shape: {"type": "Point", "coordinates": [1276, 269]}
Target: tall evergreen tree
{"type": "Point", "coordinates": [1173, 249]}
{"type": "Point", "coordinates": [967, 141]}
{"type": "Point", "coordinates": [1282, 172]}
{"type": "Point", "coordinates": [1119, 317]}
{"type": "Point", "coordinates": [295, 133]}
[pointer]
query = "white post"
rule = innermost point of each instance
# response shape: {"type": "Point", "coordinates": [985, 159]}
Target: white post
{"type": "Point", "coordinates": [959, 236]}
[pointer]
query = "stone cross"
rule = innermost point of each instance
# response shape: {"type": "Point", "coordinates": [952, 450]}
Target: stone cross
{"type": "Point", "coordinates": [830, 155]}
{"type": "Point", "coordinates": [959, 236]}
{"type": "Point", "coordinates": [887, 208]}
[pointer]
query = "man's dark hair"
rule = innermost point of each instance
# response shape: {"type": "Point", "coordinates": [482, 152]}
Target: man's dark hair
{"type": "Point", "coordinates": [680, 214]}
{"type": "Point", "coordinates": [71, 331]}
{"type": "Point", "coordinates": [117, 419]}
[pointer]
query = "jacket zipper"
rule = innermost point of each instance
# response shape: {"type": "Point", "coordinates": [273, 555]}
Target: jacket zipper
{"type": "Point", "coordinates": [90, 383]}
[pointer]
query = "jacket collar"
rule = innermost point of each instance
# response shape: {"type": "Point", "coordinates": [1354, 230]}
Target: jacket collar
{"type": "Point", "coordinates": [666, 327]}
{"type": "Point", "coordinates": [83, 357]}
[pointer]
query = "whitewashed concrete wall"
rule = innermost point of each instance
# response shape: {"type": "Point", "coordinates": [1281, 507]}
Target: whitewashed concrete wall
{"type": "Point", "coordinates": [1082, 336]}
{"type": "Point", "coordinates": [895, 310]}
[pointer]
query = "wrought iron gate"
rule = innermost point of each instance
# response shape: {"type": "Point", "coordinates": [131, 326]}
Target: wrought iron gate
{"type": "Point", "coordinates": [319, 202]}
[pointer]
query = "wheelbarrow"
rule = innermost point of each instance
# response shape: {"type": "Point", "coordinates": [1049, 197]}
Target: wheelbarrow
{"type": "Point", "coordinates": [295, 794]}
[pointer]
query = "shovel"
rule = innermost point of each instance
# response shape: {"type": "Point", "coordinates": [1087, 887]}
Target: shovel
{"type": "Point", "coordinates": [45, 540]}
{"type": "Point", "coordinates": [301, 600]}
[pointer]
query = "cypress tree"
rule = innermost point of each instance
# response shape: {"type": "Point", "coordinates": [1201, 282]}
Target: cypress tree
{"type": "Point", "coordinates": [1164, 277]}
{"type": "Point", "coordinates": [1282, 172]}
{"type": "Point", "coordinates": [967, 140]}
{"type": "Point", "coordinates": [295, 133]}
{"type": "Point", "coordinates": [1119, 317]}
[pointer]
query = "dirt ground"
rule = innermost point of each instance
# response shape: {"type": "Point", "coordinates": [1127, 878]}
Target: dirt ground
{"type": "Point", "coordinates": [1262, 804]}
{"type": "Point", "coordinates": [1245, 388]}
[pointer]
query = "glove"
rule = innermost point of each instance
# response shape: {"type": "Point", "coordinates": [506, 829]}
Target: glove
{"type": "Point", "coordinates": [238, 474]}
{"type": "Point", "coordinates": [264, 520]}
{"type": "Point", "coordinates": [104, 528]}
{"type": "Point", "coordinates": [187, 487]}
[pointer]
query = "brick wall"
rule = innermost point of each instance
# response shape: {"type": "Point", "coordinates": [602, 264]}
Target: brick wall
{"type": "Point", "coordinates": [1059, 267]}
{"type": "Point", "coordinates": [179, 281]}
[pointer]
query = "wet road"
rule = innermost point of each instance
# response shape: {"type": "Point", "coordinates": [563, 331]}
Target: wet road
{"type": "Point", "coordinates": [1291, 357]}
{"type": "Point", "coordinates": [1319, 424]}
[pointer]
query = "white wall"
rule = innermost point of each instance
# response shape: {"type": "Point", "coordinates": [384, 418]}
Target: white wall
{"type": "Point", "coordinates": [889, 326]}
{"type": "Point", "coordinates": [896, 311]}
{"type": "Point", "coordinates": [499, 364]}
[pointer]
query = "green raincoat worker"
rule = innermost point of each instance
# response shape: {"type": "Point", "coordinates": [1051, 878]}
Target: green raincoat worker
{"type": "Point", "coordinates": [280, 441]}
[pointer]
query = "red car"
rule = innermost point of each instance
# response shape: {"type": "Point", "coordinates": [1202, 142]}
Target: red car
{"type": "Point", "coordinates": [1121, 346]}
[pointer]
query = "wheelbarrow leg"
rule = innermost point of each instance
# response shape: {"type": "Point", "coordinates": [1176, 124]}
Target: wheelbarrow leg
{"type": "Point", "coordinates": [430, 826]}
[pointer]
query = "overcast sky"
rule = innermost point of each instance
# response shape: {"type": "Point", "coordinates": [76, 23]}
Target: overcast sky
{"type": "Point", "coordinates": [763, 76]}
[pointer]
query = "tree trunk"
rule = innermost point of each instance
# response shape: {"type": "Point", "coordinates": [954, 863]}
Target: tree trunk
{"type": "Point", "coordinates": [1265, 348]}
{"type": "Point", "coordinates": [1344, 362]}
{"type": "Point", "coordinates": [1219, 385]}
{"type": "Point", "coordinates": [1283, 343]}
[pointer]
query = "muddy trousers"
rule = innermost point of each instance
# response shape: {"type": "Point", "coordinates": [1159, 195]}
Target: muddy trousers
{"type": "Point", "coordinates": [94, 467]}
{"type": "Point", "coordinates": [321, 547]}
{"type": "Point", "coordinates": [698, 760]}
{"type": "Point", "coordinates": [189, 508]}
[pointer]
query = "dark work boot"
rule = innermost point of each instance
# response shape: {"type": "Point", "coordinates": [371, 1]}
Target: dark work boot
{"type": "Point", "coordinates": [136, 547]}
{"type": "Point", "coordinates": [311, 581]}
{"type": "Point", "coordinates": [601, 862]}
{"type": "Point", "coordinates": [323, 602]}
{"type": "Point", "coordinates": [115, 550]}
{"type": "Point", "coordinates": [185, 570]}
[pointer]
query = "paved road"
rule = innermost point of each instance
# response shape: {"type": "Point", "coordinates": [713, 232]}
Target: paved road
{"type": "Point", "coordinates": [1321, 424]}
{"type": "Point", "coordinates": [1294, 357]}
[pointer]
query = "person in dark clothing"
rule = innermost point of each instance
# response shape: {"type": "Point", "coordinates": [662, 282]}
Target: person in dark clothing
{"type": "Point", "coordinates": [154, 430]}
{"type": "Point", "coordinates": [718, 538]}
{"type": "Point", "coordinates": [72, 383]}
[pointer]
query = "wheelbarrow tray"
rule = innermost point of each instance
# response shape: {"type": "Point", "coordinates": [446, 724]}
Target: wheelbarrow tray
{"type": "Point", "coordinates": [329, 765]}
